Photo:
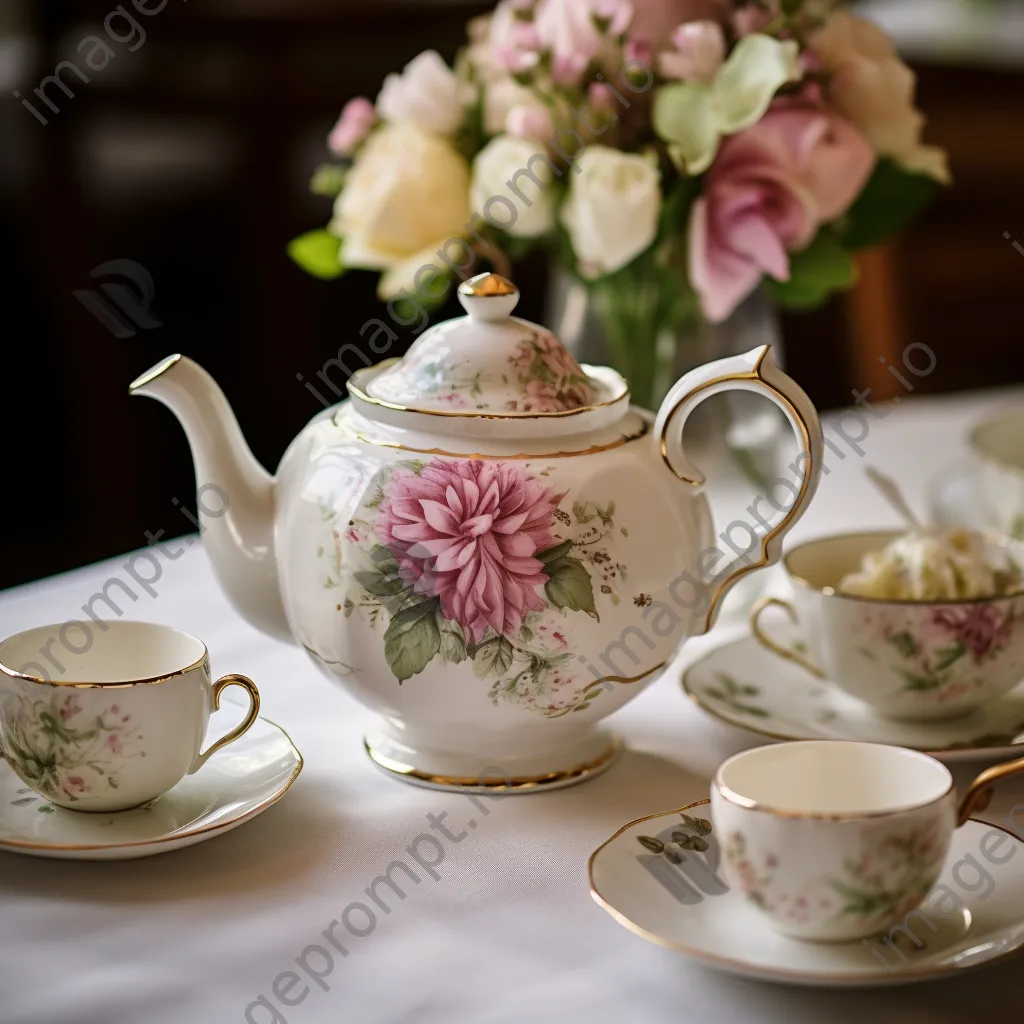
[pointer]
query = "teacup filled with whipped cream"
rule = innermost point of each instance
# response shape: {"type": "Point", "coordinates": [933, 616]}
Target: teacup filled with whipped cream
{"type": "Point", "coordinates": [924, 624]}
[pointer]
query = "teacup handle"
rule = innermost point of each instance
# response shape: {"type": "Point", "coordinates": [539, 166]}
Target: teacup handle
{"type": "Point", "coordinates": [979, 793]}
{"type": "Point", "coordinates": [762, 605]}
{"type": "Point", "coordinates": [254, 709]}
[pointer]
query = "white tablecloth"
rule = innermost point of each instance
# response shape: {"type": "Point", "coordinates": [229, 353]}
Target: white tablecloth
{"type": "Point", "coordinates": [507, 933]}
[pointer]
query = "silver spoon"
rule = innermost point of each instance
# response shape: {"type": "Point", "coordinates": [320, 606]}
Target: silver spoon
{"type": "Point", "coordinates": [894, 496]}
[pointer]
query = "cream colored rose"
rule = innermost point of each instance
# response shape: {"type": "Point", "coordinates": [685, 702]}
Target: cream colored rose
{"type": "Point", "coordinates": [612, 210]}
{"type": "Point", "coordinates": [873, 88]}
{"type": "Point", "coordinates": [427, 95]}
{"type": "Point", "coordinates": [492, 197]}
{"type": "Point", "coordinates": [405, 196]}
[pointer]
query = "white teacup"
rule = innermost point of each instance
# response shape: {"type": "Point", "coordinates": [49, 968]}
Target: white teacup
{"type": "Point", "coordinates": [115, 724]}
{"type": "Point", "coordinates": [836, 840]}
{"type": "Point", "coordinates": [998, 445]}
{"type": "Point", "coordinates": [911, 660]}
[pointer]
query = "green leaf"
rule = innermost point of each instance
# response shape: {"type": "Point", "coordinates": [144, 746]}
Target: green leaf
{"type": "Point", "coordinates": [383, 559]}
{"type": "Point", "coordinates": [45, 809]}
{"type": "Point", "coordinates": [945, 656]}
{"type": "Point", "coordinates": [380, 585]}
{"type": "Point", "coordinates": [652, 844]}
{"type": "Point", "coordinates": [328, 180]}
{"type": "Point", "coordinates": [703, 826]}
{"type": "Point", "coordinates": [699, 844]}
{"type": "Point", "coordinates": [569, 586]}
{"type": "Point", "coordinates": [904, 643]}
{"type": "Point", "coordinates": [412, 639]}
{"type": "Point", "coordinates": [453, 647]}
{"type": "Point", "coordinates": [492, 657]}
{"type": "Point", "coordinates": [890, 200]}
{"type": "Point", "coordinates": [918, 683]}
{"type": "Point", "coordinates": [385, 582]}
{"type": "Point", "coordinates": [556, 552]}
{"type": "Point", "coordinates": [814, 274]}
{"type": "Point", "coordinates": [318, 253]}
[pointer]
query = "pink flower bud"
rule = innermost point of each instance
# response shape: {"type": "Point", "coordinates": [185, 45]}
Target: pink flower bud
{"type": "Point", "coordinates": [528, 121]}
{"type": "Point", "coordinates": [567, 69]}
{"type": "Point", "coordinates": [599, 96]}
{"type": "Point", "coordinates": [638, 50]}
{"type": "Point", "coordinates": [357, 118]}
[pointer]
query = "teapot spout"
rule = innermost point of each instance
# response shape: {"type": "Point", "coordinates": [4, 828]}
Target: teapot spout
{"type": "Point", "coordinates": [235, 494]}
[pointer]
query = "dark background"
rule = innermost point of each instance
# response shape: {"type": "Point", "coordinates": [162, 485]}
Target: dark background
{"type": "Point", "coordinates": [192, 157]}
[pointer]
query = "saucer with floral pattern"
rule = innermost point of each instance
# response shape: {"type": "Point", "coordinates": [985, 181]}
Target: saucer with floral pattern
{"type": "Point", "coordinates": [239, 782]}
{"type": "Point", "coordinates": [748, 686]}
{"type": "Point", "coordinates": [660, 877]}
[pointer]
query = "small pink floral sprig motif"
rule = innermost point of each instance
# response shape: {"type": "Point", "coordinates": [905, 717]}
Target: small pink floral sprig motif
{"type": "Point", "coordinates": [890, 879]}
{"type": "Point", "coordinates": [755, 878]}
{"type": "Point", "coordinates": [66, 752]}
{"type": "Point", "coordinates": [945, 656]}
{"type": "Point", "coordinates": [549, 379]}
{"type": "Point", "coordinates": [474, 560]}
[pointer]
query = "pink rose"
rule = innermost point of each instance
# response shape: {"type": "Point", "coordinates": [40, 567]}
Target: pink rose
{"type": "Point", "coordinates": [769, 190]}
{"type": "Point", "coordinates": [469, 532]}
{"type": "Point", "coordinates": [655, 20]}
{"type": "Point", "coordinates": [357, 118]}
{"type": "Point", "coordinates": [699, 50]}
{"type": "Point", "coordinates": [982, 629]}
{"type": "Point", "coordinates": [569, 28]}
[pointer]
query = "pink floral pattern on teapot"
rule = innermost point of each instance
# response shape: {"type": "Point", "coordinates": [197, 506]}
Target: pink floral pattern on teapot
{"type": "Point", "coordinates": [473, 559]}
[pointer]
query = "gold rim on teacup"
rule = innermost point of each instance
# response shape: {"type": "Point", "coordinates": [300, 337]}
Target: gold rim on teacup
{"type": "Point", "coordinates": [884, 536]}
{"type": "Point", "coordinates": [749, 804]}
{"type": "Point", "coordinates": [975, 799]}
{"type": "Point", "coordinates": [53, 631]}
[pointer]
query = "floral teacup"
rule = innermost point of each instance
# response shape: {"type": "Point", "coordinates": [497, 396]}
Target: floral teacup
{"type": "Point", "coordinates": [913, 660]}
{"type": "Point", "coordinates": [837, 840]}
{"type": "Point", "coordinates": [107, 719]}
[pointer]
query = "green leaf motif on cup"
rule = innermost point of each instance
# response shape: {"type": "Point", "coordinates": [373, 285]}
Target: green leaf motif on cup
{"type": "Point", "coordinates": [62, 750]}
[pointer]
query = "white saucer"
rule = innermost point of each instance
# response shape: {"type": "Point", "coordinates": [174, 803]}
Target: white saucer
{"type": "Point", "coordinates": [689, 908]}
{"type": "Point", "coordinates": [746, 685]}
{"type": "Point", "coordinates": [236, 784]}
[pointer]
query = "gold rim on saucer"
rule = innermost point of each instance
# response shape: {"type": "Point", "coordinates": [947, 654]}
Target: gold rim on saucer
{"type": "Point", "coordinates": [779, 973]}
{"type": "Point", "coordinates": [174, 837]}
{"type": "Point", "coordinates": [965, 752]}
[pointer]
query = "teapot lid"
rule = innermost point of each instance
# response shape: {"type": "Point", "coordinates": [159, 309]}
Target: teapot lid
{"type": "Point", "coordinates": [487, 364]}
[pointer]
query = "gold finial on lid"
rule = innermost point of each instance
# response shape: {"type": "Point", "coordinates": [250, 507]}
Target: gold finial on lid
{"type": "Point", "coordinates": [488, 284]}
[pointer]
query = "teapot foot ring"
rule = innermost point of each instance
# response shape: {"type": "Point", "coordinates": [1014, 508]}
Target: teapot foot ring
{"type": "Point", "coordinates": [454, 772]}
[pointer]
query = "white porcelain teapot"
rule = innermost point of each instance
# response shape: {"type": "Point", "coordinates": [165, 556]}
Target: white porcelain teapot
{"type": "Point", "coordinates": [485, 544]}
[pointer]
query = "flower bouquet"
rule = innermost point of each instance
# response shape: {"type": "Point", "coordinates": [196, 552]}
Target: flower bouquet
{"type": "Point", "coordinates": [672, 155]}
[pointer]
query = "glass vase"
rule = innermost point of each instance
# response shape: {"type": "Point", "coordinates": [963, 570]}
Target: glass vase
{"type": "Point", "coordinates": [628, 328]}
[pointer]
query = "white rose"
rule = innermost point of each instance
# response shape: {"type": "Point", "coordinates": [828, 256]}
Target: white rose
{"type": "Point", "coordinates": [874, 89]}
{"type": "Point", "coordinates": [494, 167]}
{"type": "Point", "coordinates": [405, 196]}
{"type": "Point", "coordinates": [612, 210]}
{"type": "Point", "coordinates": [427, 95]}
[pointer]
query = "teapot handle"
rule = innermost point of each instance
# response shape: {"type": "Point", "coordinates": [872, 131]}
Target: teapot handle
{"type": "Point", "coordinates": [752, 371]}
